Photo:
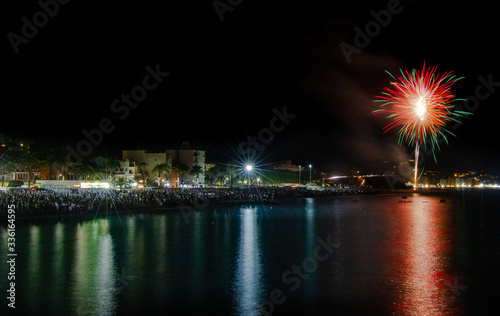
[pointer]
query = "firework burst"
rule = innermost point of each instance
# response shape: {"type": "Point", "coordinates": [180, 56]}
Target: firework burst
{"type": "Point", "coordinates": [420, 104]}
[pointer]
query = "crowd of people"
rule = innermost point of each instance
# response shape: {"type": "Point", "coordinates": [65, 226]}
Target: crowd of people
{"type": "Point", "coordinates": [79, 201]}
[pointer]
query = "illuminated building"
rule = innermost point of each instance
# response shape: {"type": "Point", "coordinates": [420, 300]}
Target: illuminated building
{"type": "Point", "coordinates": [174, 157]}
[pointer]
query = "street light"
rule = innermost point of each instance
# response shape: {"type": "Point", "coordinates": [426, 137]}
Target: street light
{"type": "Point", "coordinates": [310, 169]}
{"type": "Point", "coordinates": [299, 173]}
{"type": "Point", "coordinates": [248, 168]}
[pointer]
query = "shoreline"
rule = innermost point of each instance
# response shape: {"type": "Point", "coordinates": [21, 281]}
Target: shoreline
{"type": "Point", "coordinates": [161, 208]}
{"type": "Point", "coordinates": [148, 208]}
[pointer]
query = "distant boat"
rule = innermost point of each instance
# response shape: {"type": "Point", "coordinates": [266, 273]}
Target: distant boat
{"type": "Point", "coordinates": [404, 197]}
{"type": "Point", "coordinates": [442, 201]}
{"type": "Point", "coordinates": [404, 201]}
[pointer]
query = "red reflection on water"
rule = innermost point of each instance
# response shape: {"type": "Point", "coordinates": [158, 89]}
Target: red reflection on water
{"type": "Point", "coordinates": [421, 258]}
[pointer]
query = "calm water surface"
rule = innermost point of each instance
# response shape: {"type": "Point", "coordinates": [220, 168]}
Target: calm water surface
{"type": "Point", "coordinates": [349, 255]}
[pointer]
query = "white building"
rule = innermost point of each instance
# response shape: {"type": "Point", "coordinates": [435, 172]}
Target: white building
{"type": "Point", "coordinates": [174, 157]}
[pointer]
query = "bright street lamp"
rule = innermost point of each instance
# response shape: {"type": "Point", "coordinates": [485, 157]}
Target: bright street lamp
{"type": "Point", "coordinates": [299, 173]}
{"type": "Point", "coordinates": [248, 168]}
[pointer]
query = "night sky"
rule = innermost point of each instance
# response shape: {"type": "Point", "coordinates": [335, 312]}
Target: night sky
{"type": "Point", "coordinates": [226, 76]}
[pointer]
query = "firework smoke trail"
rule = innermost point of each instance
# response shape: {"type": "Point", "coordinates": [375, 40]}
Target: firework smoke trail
{"type": "Point", "coordinates": [420, 103]}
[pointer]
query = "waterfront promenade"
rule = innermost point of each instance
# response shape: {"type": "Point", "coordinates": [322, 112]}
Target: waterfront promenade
{"type": "Point", "coordinates": [51, 202]}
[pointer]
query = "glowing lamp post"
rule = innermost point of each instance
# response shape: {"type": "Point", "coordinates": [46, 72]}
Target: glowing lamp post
{"type": "Point", "coordinates": [299, 173]}
{"type": "Point", "coordinates": [248, 168]}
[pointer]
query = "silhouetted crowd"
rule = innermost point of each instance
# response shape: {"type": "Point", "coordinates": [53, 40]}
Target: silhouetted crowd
{"type": "Point", "coordinates": [63, 201]}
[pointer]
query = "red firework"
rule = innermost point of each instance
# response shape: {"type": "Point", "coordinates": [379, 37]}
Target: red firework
{"type": "Point", "coordinates": [420, 103]}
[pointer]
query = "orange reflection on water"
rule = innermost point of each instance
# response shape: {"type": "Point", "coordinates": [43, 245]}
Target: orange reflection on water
{"type": "Point", "coordinates": [422, 251]}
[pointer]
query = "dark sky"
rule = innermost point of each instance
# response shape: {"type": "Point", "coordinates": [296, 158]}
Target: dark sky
{"type": "Point", "coordinates": [226, 77]}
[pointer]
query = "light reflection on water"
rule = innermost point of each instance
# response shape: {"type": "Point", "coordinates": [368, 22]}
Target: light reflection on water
{"type": "Point", "coordinates": [394, 258]}
{"type": "Point", "coordinates": [310, 244]}
{"type": "Point", "coordinates": [248, 274]}
{"type": "Point", "coordinates": [422, 266]}
{"type": "Point", "coordinates": [95, 278]}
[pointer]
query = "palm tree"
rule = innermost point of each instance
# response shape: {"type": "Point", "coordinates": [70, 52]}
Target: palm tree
{"type": "Point", "coordinates": [50, 162]}
{"type": "Point", "coordinates": [180, 169]}
{"type": "Point", "coordinates": [216, 173]}
{"type": "Point", "coordinates": [232, 172]}
{"type": "Point", "coordinates": [29, 161]}
{"type": "Point", "coordinates": [64, 164]}
{"type": "Point", "coordinates": [6, 165]}
{"type": "Point", "coordinates": [81, 171]}
{"type": "Point", "coordinates": [142, 170]}
{"type": "Point", "coordinates": [95, 174]}
{"type": "Point", "coordinates": [158, 169]}
{"type": "Point", "coordinates": [212, 174]}
{"type": "Point", "coordinates": [161, 168]}
{"type": "Point", "coordinates": [196, 170]}
{"type": "Point", "coordinates": [111, 165]}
